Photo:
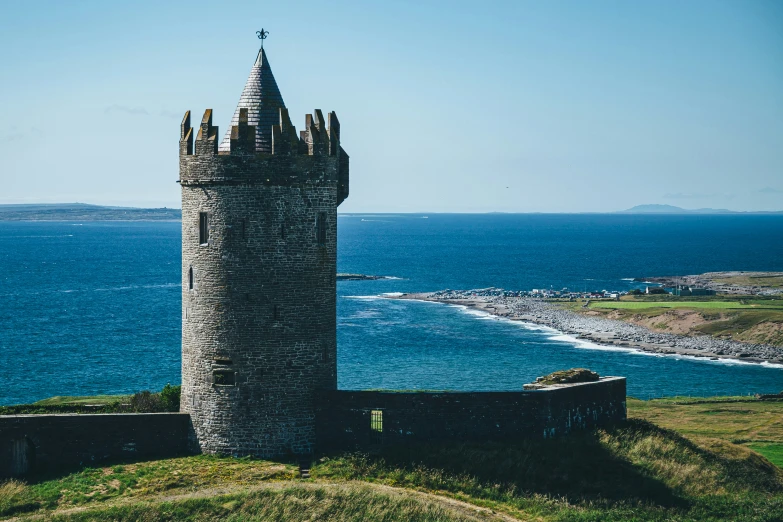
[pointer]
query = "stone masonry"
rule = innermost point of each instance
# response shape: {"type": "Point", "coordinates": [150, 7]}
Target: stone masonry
{"type": "Point", "coordinates": [259, 244]}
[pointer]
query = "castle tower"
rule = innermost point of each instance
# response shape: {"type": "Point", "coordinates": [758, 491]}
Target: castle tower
{"type": "Point", "coordinates": [259, 241]}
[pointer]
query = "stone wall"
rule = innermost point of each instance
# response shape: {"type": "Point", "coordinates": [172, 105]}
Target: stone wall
{"type": "Point", "coordinates": [43, 443]}
{"type": "Point", "coordinates": [345, 420]}
{"type": "Point", "coordinates": [362, 419]}
{"type": "Point", "coordinates": [259, 328]}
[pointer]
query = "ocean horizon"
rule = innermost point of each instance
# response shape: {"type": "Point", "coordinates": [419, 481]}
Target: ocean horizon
{"type": "Point", "coordinates": [94, 307]}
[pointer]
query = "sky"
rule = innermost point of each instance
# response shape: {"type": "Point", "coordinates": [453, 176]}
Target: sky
{"type": "Point", "coordinates": [519, 106]}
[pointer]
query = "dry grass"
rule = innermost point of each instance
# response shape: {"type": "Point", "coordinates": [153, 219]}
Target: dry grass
{"type": "Point", "coordinates": [739, 420]}
{"type": "Point", "coordinates": [635, 470]}
{"type": "Point", "coordinates": [760, 280]}
{"type": "Point", "coordinates": [347, 502]}
{"type": "Point", "coordinates": [11, 492]}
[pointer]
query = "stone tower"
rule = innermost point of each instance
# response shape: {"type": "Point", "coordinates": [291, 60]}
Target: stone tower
{"type": "Point", "coordinates": [259, 245]}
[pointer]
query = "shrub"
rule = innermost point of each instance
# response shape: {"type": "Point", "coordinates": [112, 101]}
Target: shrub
{"type": "Point", "coordinates": [169, 397]}
{"type": "Point", "coordinates": [145, 402]}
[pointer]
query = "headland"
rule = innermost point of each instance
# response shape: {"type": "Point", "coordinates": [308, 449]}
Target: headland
{"type": "Point", "coordinates": [734, 283]}
{"type": "Point", "coordinates": [597, 329]}
{"type": "Point", "coordinates": [85, 212]}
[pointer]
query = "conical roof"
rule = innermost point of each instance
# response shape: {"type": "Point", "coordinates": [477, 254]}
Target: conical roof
{"type": "Point", "coordinates": [262, 99]}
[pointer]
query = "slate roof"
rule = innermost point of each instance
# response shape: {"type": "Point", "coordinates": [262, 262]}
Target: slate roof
{"type": "Point", "coordinates": [262, 99]}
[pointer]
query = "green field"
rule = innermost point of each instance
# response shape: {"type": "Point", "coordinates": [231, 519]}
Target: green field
{"type": "Point", "coordinates": [739, 420]}
{"type": "Point", "coordinates": [719, 305]}
{"type": "Point", "coordinates": [97, 400]}
{"type": "Point", "coordinates": [740, 318]}
{"type": "Point", "coordinates": [675, 459]}
{"type": "Point", "coordinates": [767, 281]}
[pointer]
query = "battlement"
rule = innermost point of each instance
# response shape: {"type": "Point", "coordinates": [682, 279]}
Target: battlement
{"type": "Point", "coordinates": [312, 155]}
{"type": "Point", "coordinates": [321, 137]}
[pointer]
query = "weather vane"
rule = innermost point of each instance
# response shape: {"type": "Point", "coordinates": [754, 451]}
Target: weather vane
{"type": "Point", "coordinates": [262, 36]}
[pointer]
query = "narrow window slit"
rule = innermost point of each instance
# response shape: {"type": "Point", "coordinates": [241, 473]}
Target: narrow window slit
{"type": "Point", "coordinates": [320, 229]}
{"type": "Point", "coordinates": [203, 228]}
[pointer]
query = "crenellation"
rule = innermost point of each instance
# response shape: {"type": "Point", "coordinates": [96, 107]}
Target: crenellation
{"type": "Point", "coordinates": [186, 136]}
{"type": "Point", "coordinates": [334, 134]}
{"type": "Point", "coordinates": [207, 138]}
{"type": "Point", "coordinates": [279, 145]}
{"type": "Point", "coordinates": [243, 136]}
{"type": "Point", "coordinates": [318, 121]}
{"type": "Point", "coordinates": [284, 136]}
{"type": "Point", "coordinates": [315, 134]}
{"type": "Point", "coordinates": [184, 126]}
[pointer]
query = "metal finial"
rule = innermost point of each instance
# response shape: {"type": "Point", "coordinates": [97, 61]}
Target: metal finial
{"type": "Point", "coordinates": [262, 36]}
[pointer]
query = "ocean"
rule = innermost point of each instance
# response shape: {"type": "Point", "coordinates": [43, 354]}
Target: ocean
{"type": "Point", "coordinates": [94, 307]}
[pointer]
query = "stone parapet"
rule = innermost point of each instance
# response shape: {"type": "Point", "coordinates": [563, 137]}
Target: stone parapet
{"type": "Point", "coordinates": [45, 443]}
{"type": "Point", "coordinates": [350, 420]}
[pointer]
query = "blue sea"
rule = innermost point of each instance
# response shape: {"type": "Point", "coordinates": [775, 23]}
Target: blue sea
{"type": "Point", "coordinates": [94, 308]}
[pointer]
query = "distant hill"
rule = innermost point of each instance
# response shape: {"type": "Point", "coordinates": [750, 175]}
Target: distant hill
{"type": "Point", "coordinates": [671, 209]}
{"type": "Point", "coordinates": [85, 212]}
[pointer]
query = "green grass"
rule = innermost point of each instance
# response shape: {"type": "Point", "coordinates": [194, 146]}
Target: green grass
{"type": "Point", "coordinates": [767, 281]}
{"type": "Point", "coordinates": [773, 452]}
{"type": "Point", "coordinates": [675, 459]}
{"type": "Point", "coordinates": [96, 400]}
{"type": "Point", "coordinates": [295, 502]}
{"type": "Point", "coordinates": [142, 402]}
{"type": "Point", "coordinates": [734, 419]}
{"type": "Point", "coordinates": [745, 421]}
{"type": "Point", "coordinates": [739, 326]}
{"type": "Point", "coordinates": [721, 305]}
{"type": "Point", "coordinates": [740, 318]}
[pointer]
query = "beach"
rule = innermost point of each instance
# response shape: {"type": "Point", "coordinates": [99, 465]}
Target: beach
{"type": "Point", "coordinates": [598, 330]}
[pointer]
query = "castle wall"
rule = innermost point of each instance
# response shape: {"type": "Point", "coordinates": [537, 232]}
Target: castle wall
{"type": "Point", "coordinates": [43, 443]}
{"type": "Point", "coordinates": [350, 420]}
{"type": "Point", "coordinates": [259, 332]}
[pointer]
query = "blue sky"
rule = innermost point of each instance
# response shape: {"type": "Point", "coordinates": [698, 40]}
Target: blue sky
{"type": "Point", "coordinates": [444, 106]}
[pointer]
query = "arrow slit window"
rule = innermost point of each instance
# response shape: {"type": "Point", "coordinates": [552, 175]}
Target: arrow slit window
{"type": "Point", "coordinates": [203, 228]}
{"type": "Point", "coordinates": [320, 229]}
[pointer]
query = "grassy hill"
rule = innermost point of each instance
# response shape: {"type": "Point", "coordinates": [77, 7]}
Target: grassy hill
{"type": "Point", "coordinates": [751, 319]}
{"type": "Point", "coordinates": [694, 461]}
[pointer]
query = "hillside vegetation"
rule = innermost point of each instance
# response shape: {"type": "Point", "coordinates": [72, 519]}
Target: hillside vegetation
{"type": "Point", "coordinates": [141, 402]}
{"type": "Point", "coordinates": [696, 462]}
{"type": "Point", "coordinates": [740, 318]}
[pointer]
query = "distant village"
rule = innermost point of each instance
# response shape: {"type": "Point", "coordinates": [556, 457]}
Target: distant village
{"type": "Point", "coordinates": [565, 293]}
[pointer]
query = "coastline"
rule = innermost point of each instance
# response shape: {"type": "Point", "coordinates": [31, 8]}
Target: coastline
{"type": "Point", "coordinates": [601, 331]}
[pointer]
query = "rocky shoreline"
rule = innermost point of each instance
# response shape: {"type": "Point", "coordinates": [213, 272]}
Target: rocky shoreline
{"type": "Point", "coordinates": [361, 277]}
{"type": "Point", "coordinates": [599, 330]}
{"type": "Point", "coordinates": [736, 283]}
